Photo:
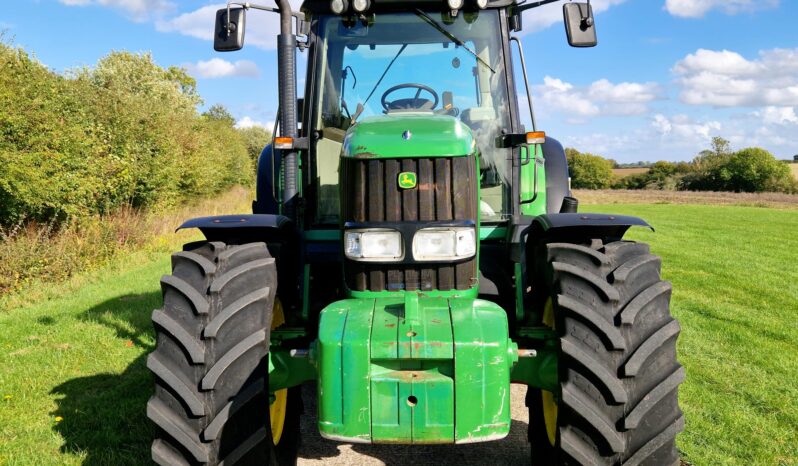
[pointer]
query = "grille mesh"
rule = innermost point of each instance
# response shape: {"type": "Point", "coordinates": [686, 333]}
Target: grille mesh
{"type": "Point", "coordinates": [446, 191]}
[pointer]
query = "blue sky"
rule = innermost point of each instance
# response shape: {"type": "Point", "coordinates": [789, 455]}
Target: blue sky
{"type": "Point", "coordinates": [667, 75]}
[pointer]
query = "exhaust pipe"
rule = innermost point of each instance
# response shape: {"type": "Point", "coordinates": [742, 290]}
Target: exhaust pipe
{"type": "Point", "coordinates": [286, 79]}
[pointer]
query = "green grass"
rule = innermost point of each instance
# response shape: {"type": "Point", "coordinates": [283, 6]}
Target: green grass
{"type": "Point", "coordinates": [81, 357]}
{"type": "Point", "coordinates": [79, 354]}
{"type": "Point", "coordinates": [735, 277]}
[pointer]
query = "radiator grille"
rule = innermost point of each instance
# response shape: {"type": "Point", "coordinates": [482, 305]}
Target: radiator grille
{"type": "Point", "coordinates": [446, 191]}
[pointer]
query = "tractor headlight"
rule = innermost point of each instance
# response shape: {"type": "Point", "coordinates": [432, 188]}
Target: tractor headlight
{"type": "Point", "coordinates": [360, 5]}
{"type": "Point", "coordinates": [338, 6]}
{"type": "Point", "coordinates": [455, 4]}
{"type": "Point", "coordinates": [376, 245]}
{"type": "Point", "coordinates": [482, 4]}
{"type": "Point", "coordinates": [444, 244]}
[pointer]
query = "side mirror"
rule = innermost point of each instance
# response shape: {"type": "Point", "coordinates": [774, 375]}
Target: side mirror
{"type": "Point", "coordinates": [229, 31]}
{"type": "Point", "coordinates": [580, 25]}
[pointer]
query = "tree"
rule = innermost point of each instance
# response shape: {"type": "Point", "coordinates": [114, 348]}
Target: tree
{"type": "Point", "coordinates": [219, 113]}
{"type": "Point", "coordinates": [588, 171]}
{"type": "Point", "coordinates": [753, 170]}
{"type": "Point", "coordinates": [255, 138]}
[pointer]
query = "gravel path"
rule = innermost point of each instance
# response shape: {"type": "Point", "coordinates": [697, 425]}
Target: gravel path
{"type": "Point", "coordinates": [513, 450]}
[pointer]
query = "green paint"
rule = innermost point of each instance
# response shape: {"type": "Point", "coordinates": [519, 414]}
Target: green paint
{"type": "Point", "coordinates": [429, 136]}
{"type": "Point", "coordinates": [286, 371]}
{"type": "Point", "coordinates": [540, 371]}
{"type": "Point", "coordinates": [470, 293]}
{"type": "Point", "coordinates": [386, 376]}
{"type": "Point", "coordinates": [342, 355]}
{"type": "Point", "coordinates": [407, 180]}
{"type": "Point", "coordinates": [533, 182]}
{"type": "Point", "coordinates": [483, 361]}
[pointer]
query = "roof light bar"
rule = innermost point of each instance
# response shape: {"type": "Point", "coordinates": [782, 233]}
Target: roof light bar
{"type": "Point", "coordinates": [361, 6]}
{"type": "Point", "coordinates": [339, 6]}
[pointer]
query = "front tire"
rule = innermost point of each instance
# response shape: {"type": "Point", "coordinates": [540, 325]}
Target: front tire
{"type": "Point", "coordinates": [617, 399]}
{"type": "Point", "coordinates": [210, 365]}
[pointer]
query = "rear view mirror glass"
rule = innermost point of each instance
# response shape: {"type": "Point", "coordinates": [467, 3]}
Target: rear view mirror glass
{"type": "Point", "coordinates": [229, 32]}
{"type": "Point", "coordinates": [580, 25]}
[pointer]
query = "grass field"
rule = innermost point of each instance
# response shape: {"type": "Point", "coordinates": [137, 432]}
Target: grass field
{"type": "Point", "coordinates": [73, 381]}
{"type": "Point", "coordinates": [794, 167]}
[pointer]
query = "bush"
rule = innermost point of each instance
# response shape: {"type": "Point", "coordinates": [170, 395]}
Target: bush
{"type": "Point", "coordinates": [662, 175]}
{"type": "Point", "coordinates": [588, 171]}
{"type": "Point", "coordinates": [255, 139]}
{"type": "Point", "coordinates": [125, 133]}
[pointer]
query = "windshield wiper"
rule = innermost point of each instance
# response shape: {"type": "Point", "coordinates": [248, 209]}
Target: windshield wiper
{"type": "Point", "coordinates": [451, 37]}
{"type": "Point", "coordinates": [360, 107]}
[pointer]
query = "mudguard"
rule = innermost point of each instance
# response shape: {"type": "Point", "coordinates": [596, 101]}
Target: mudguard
{"type": "Point", "coordinates": [267, 185]}
{"type": "Point", "coordinates": [247, 228]}
{"type": "Point", "coordinates": [277, 231]}
{"type": "Point", "coordinates": [557, 184]}
{"type": "Point", "coordinates": [608, 226]}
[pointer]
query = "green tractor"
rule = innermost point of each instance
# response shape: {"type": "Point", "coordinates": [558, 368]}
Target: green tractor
{"type": "Point", "coordinates": [413, 250]}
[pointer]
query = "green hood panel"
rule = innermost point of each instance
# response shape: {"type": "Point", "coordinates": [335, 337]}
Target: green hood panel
{"type": "Point", "coordinates": [429, 136]}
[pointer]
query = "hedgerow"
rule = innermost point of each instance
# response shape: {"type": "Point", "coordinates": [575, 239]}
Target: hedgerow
{"type": "Point", "coordinates": [125, 133]}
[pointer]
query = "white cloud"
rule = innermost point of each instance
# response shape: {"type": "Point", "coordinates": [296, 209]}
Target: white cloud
{"type": "Point", "coordinates": [599, 98]}
{"type": "Point", "coordinates": [218, 68]}
{"type": "Point", "coordinates": [685, 129]}
{"type": "Point", "coordinates": [248, 122]}
{"type": "Point", "coordinates": [778, 115]}
{"type": "Point", "coordinates": [698, 8]}
{"type": "Point", "coordinates": [545, 16]}
{"type": "Point", "coordinates": [727, 79]}
{"type": "Point", "coordinates": [262, 27]}
{"type": "Point", "coordinates": [139, 10]}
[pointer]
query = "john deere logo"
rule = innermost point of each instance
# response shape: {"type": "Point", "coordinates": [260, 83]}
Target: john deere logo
{"type": "Point", "coordinates": [407, 180]}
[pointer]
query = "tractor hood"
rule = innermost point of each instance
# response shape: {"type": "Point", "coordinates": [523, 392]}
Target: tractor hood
{"type": "Point", "coordinates": [408, 135]}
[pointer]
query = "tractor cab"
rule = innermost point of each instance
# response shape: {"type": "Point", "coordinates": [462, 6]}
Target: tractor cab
{"type": "Point", "coordinates": [431, 76]}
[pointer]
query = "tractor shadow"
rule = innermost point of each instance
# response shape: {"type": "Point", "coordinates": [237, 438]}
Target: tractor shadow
{"type": "Point", "coordinates": [512, 450]}
{"type": "Point", "coordinates": [104, 415]}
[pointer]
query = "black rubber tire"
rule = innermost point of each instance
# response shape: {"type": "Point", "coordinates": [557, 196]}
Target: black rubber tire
{"type": "Point", "coordinates": [210, 364]}
{"type": "Point", "coordinates": [618, 370]}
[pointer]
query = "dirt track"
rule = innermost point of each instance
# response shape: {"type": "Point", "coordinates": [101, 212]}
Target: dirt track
{"type": "Point", "coordinates": [513, 450]}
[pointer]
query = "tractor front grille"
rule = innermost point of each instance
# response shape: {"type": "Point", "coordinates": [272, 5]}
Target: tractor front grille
{"type": "Point", "coordinates": [446, 191]}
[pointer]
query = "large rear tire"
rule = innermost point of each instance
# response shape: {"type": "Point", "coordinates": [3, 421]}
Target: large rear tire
{"type": "Point", "coordinates": [210, 365]}
{"type": "Point", "coordinates": [617, 399]}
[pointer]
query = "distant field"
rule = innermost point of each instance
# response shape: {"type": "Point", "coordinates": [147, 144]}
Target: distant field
{"type": "Point", "coordinates": [794, 167]}
{"type": "Point", "coordinates": [643, 196]}
{"type": "Point", "coordinates": [624, 172]}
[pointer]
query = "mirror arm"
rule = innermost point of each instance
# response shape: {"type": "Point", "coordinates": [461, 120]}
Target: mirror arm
{"type": "Point", "coordinates": [246, 5]}
{"type": "Point", "coordinates": [529, 6]}
{"type": "Point", "coordinates": [526, 81]}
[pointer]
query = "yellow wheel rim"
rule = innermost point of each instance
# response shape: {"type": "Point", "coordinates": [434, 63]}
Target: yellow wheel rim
{"type": "Point", "coordinates": [547, 398]}
{"type": "Point", "coordinates": [279, 407]}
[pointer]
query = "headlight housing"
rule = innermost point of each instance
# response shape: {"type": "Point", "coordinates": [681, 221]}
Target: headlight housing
{"type": "Point", "coordinates": [444, 244]}
{"type": "Point", "coordinates": [374, 245]}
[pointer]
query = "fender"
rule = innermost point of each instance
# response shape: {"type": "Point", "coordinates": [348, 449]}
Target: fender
{"type": "Point", "coordinates": [279, 234]}
{"type": "Point", "coordinates": [583, 225]}
{"type": "Point", "coordinates": [245, 228]}
{"type": "Point", "coordinates": [267, 186]}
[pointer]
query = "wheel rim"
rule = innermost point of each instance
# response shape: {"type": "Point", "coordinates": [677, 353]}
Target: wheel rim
{"type": "Point", "coordinates": [279, 406]}
{"type": "Point", "coordinates": [547, 398]}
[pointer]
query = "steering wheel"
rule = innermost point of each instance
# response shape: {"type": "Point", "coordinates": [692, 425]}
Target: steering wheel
{"type": "Point", "coordinates": [410, 104]}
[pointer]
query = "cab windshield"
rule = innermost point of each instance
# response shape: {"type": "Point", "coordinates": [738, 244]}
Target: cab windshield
{"type": "Point", "coordinates": [414, 62]}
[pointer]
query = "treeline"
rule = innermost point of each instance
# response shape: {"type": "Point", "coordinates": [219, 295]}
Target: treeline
{"type": "Point", "coordinates": [125, 133]}
{"type": "Point", "coordinates": [717, 169]}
